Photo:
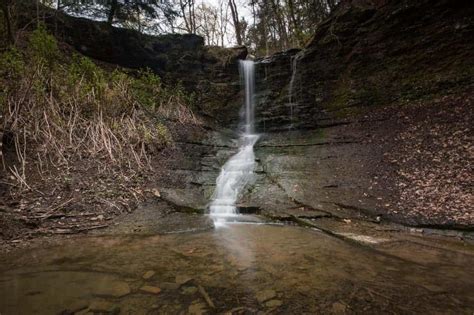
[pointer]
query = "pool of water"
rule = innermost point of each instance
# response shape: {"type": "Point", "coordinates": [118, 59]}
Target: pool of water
{"type": "Point", "coordinates": [241, 269]}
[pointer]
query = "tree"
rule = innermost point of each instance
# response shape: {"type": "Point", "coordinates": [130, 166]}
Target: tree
{"type": "Point", "coordinates": [112, 11]}
{"type": "Point", "coordinates": [236, 21]}
{"type": "Point", "coordinates": [6, 7]}
{"type": "Point", "coordinates": [188, 15]}
{"type": "Point", "coordinates": [282, 24]}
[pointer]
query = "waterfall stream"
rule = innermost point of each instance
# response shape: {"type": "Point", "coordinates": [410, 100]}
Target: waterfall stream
{"type": "Point", "coordinates": [238, 171]}
{"type": "Point", "coordinates": [294, 60]}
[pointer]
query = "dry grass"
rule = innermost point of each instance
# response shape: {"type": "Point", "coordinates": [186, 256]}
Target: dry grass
{"type": "Point", "coordinates": [61, 112]}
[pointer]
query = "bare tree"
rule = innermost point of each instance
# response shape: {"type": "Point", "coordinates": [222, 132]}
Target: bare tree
{"type": "Point", "coordinates": [187, 8]}
{"type": "Point", "coordinates": [236, 21]}
{"type": "Point", "coordinates": [6, 11]}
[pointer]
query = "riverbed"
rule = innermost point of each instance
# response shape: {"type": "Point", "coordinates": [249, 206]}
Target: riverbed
{"type": "Point", "coordinates": [242, 268]}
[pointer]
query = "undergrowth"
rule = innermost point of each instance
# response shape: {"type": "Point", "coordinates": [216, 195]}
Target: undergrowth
{"type": "Point", "coordinates": [60, 110]}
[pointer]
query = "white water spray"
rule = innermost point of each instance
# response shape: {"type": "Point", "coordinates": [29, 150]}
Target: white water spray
{"type": "Point", "coordinates": [238, 171]}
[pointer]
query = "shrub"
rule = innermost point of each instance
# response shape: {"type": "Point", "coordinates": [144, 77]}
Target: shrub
{"type": "Point", "coordinates": [43, 47]}
{"type": "Point", "coordinates": [147, 89]}
{"type": "Point", "coordinates": [12, 64]}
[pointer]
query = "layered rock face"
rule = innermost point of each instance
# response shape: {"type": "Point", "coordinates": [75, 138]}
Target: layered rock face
{"type": "Point", "coordinates": [373, 71]}
{"type": "Point", "coordinates": [369, 53]}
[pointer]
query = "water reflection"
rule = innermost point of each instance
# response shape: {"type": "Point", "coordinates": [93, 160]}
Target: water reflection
{"type": "Point", "coordinates": [252, 266]}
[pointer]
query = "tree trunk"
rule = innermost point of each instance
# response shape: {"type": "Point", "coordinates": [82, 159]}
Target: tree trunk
{"type": "Point", "coordinates": [235, 19]}
{"type": "Point", "coordinates": [112, 12]}
{"type": "Point", "coordinates": [296, 27]}
{"type": "Point", "coordinates": [8, 24]}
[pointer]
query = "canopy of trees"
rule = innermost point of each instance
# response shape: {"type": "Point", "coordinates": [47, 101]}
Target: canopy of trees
{"type": "Point", "coordinates": [265, 26]}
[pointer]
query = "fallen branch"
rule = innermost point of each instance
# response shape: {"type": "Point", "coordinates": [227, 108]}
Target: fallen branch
{"type": "Point", "coordinates": [206, 297]}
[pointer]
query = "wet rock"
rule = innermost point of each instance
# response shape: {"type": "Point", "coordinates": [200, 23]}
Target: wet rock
{"type": "Point", "coordinates": [366, 239]}
{"type": "Point", "coordinates": [101, 306]}
{"type": "Point", "coordinates": [189, 290]}
{"type": "Point", "coordinates": [148, 275]}
{"type": "Point", "coordinates": [76, 307]}
{"type": "Point", "coordinates": [239, 310]}
{"type": "Point", "coordinates": [273, 303]}
{"type": "Point", "coordinates": [169, 286]}
{"type": "Point", "coordinates": [338, 308]}
{"type": "Point", "coordinates": [433, 288]}
{"type": "Point", "coordinates": [156, 193]}
{"type": "Point", "coordinates": [183, 279]}
{"type": "Point", "coordinates": [197, 308]}
{"type": "Point", "coordinates": [150, 289]}
{"type": "Point", "coordinates": [84, 312]}
{"type": "Point", "coordinates": [114, 289]}
{"type": "Point", "coordinates": [265, 295]}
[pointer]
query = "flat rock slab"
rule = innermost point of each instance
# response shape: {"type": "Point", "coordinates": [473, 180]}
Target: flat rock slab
{"type": "Point", "coordinates": [305, 213]}
{"type": "Point", "coordinates": [157, 218]}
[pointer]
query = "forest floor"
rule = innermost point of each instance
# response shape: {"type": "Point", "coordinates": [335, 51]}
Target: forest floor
{"type": "Point", "coordinates": [428, 161]}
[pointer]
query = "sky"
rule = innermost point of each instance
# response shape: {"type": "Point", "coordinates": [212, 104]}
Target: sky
{"type": "Point", "coordinates": [244, 11]}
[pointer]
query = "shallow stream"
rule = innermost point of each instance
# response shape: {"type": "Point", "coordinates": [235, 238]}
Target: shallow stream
{"type": "Point", "coordinates": [242, 269]}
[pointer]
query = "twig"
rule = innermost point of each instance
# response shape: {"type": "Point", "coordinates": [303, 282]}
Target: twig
{"type": "Point", "coordinates": [206, 297]}
{"type": "Point", "coordinates": [50, 212]}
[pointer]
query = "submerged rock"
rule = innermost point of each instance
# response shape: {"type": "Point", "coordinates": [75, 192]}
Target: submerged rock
{"type": "Point", "coordinates": [183, 279]}
{"type": "Point", "coordinates": [197, 308]}
{"type": "Point", "coordinates": [114, 289]}
{"type": "Point", "coordinates": [101, 306]}
{"type": "Point", "coordinates": [150, 289]}
{"type": "Point", "coordinates": [148, 275]}
{"type": "Point", "coordinates": [273, 303]}
{"type": "Point", "coordinates": [265, 295]}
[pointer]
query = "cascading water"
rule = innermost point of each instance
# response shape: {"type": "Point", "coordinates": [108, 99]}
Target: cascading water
{"type": "Point", "coordinates": [238, 171]}
{"type": "Point", "coordinates": [294, 61]}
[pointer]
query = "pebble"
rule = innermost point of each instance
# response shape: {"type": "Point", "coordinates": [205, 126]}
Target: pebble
{"type": "Point", "coordinates": [156, 192]}
{"type": "Point", "coordinates": [182, 279]}
{"type": "Point", "coordinates": [150, 289]}
{"type": "Point", "coordinates": [273, 303]}
{"type": "Point", "coordinates": [338, 308]}
{"type": "Point", "coordinates": [189, 290]}
{"type": "Point", "coordinates": [197, 308]}
{"type": "Point", "coordinates": [148, 275]}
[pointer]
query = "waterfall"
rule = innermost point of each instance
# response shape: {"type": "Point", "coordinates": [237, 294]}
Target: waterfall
{"type": "Point", "coordinates": [237, 172]}
{"type": "Point", "coordinates": [293, 62]}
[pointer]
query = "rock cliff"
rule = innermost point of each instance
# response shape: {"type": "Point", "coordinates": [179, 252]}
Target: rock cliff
{"type": "Point", "coordinates": [380, 115]}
